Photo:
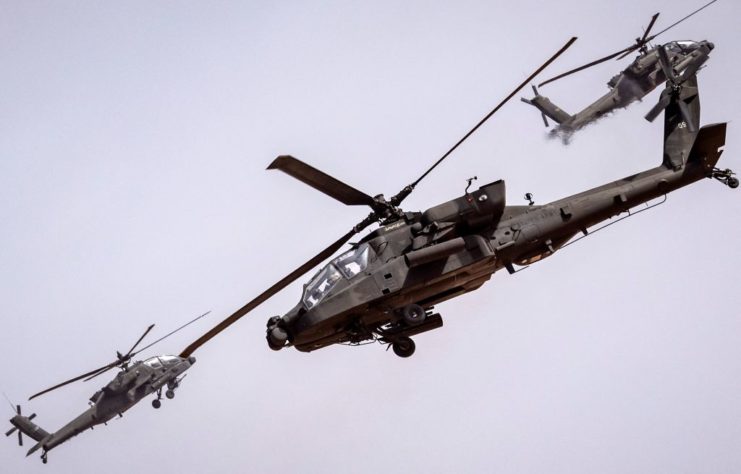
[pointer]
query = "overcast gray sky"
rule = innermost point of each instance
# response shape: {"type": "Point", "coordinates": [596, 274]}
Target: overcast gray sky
{"type": "Point", "coordinates": [133, 142]}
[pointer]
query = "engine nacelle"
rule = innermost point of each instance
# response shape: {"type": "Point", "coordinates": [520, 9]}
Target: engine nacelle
{"type": "Point", "coordinates": [474, 210]}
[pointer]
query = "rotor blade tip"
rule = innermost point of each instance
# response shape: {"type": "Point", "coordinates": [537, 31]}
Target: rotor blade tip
{"type": "Point", "coordinates": [278, 161]}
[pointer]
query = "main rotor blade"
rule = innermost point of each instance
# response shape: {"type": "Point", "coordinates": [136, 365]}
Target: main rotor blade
{"type": "Point", "coordinates": [171, 333]}
{"type": "Point", "coordinates": [588, 65]}
{"type": "Point", "coordinates": [105, 367]}
{"type": "Point", "coordinates": [499, 106]}
{"type": "Point", "coordinates": [642, 41]}
{"type": "Point", "coordinates": [265, 295]}
{"type": "Point", "coordinates": [321, 181]}
{"type": "Point", "coordinates": [100, 372]}
{"type": "Point", "coordinates": [680, 21]}
{"type": "Point", "coordinates": [128, 354]}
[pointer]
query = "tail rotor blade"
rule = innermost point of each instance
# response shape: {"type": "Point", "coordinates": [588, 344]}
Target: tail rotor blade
{"type": "Point", "coordinates": [664, 101]}
{"type": "Point", "coordinates": [545, 120]}
{"type": "Point", "coordinates": [693, 67]}
{"type": "Point", "coordinates": [666, 66]}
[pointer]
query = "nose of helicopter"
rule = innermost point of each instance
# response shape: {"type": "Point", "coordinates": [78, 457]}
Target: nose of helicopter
{"type": "Point", "coordinates": [711, 46]}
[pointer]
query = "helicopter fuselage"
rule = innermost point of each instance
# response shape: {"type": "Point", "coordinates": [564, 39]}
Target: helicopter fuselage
{"type": "Point", "coordinates": [633, 83]}
{"type": "Point", "coordinates": [426, 258]}
{"type": "Point", "coordinates": [129, 387]}
{"type": "Point", "coordinates": [639, 79]}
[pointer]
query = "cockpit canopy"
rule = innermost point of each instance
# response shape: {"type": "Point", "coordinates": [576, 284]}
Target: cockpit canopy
{"type": "Point", "coordinates": [158, 361]}
{"type": "Point", "coordinates": [346, 265]}
{"type": "Point", "coordinates": [682, 47]}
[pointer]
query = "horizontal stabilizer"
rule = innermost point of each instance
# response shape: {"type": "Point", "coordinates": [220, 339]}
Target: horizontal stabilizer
{"type": "Point", "coordinates": [547, 108]}
{"type": "Point", "coordinates": [708, 144]}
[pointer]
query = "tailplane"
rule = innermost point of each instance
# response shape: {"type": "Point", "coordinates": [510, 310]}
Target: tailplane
{"type": "Point", "coordinates": [547, 108]}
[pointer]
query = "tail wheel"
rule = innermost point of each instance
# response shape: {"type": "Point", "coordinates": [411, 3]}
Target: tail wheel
{"type": "Point", "coordinates": [403, 347]}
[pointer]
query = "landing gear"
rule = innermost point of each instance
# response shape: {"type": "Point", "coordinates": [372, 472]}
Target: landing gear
{"type": "Point", "coordinates": [170, 394]}
{"type": "Point", "coordinates": [44, 458]}
{"type": "Point", "coordinates": [403, 346]}
{"type": "Point", "coordinates": [156, 403]}
{"type": "Point", "coordinates": [413, 314]}
{"type": "Point", "coordinates": [726, 177]}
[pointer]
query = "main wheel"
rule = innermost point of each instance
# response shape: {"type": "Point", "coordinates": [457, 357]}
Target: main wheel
{"type": "Point", "coordinates": [403, 347]}
{"type": "Point", "coordinates": [732, 182]}
{"type": "Point", "coordinates": [170, 394]}
{"type": "Point", "coordinates": [156, 403]}
{"type": "Point", "coordinates": [413, 314]}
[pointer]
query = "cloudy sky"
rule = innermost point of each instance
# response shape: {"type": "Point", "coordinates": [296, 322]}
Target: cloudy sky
{"type": "Point", "coordinates": [134, 138]}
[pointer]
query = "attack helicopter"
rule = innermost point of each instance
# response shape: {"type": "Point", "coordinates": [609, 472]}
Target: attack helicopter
{"type": "Point", "coordinates": [385, 288]}
{"type": "Point", "coordinates": [675, 61]}
{"type": "Point", "coordinates": [133, 383]}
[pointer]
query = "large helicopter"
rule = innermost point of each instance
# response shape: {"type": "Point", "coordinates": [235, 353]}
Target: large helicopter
{"type": "Point", "coordinates": [674, 62]}
{"type": "Point", "coordinates": [133, 383]}
{"type": "Point", "coordinates": [386, 286]}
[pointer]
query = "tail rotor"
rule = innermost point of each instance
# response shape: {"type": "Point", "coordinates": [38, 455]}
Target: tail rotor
{"type": "Point", "coordinates": [18, 412]}
{"type": "Point", "coordinates": [675, 90]}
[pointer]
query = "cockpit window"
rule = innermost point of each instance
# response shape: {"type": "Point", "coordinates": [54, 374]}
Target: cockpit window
{"type": "Point", "coordinates": [352, 262]}
{"type": "Point", "coordinates": [682, 46]}
{"type": "Point", "coordinates": [346, 265]}
{"type": "Point", "coordinates": [320, 285]}
{"type": "Point", "coordinates": [158, 362]}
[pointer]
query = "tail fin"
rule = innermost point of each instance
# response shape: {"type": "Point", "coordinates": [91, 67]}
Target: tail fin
{"type": "Point", "coordinates": [681, 122]}
{"type": "Point", "coordinates": [547, 108]}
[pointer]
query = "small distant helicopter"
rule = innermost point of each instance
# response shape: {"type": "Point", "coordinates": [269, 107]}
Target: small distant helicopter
{"type": "Point", "coordinates": [133, 383]}
{"type": "Point", "coordinates": [385, 287]}
{"type": "Point", "coordinates": [674, 62]}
